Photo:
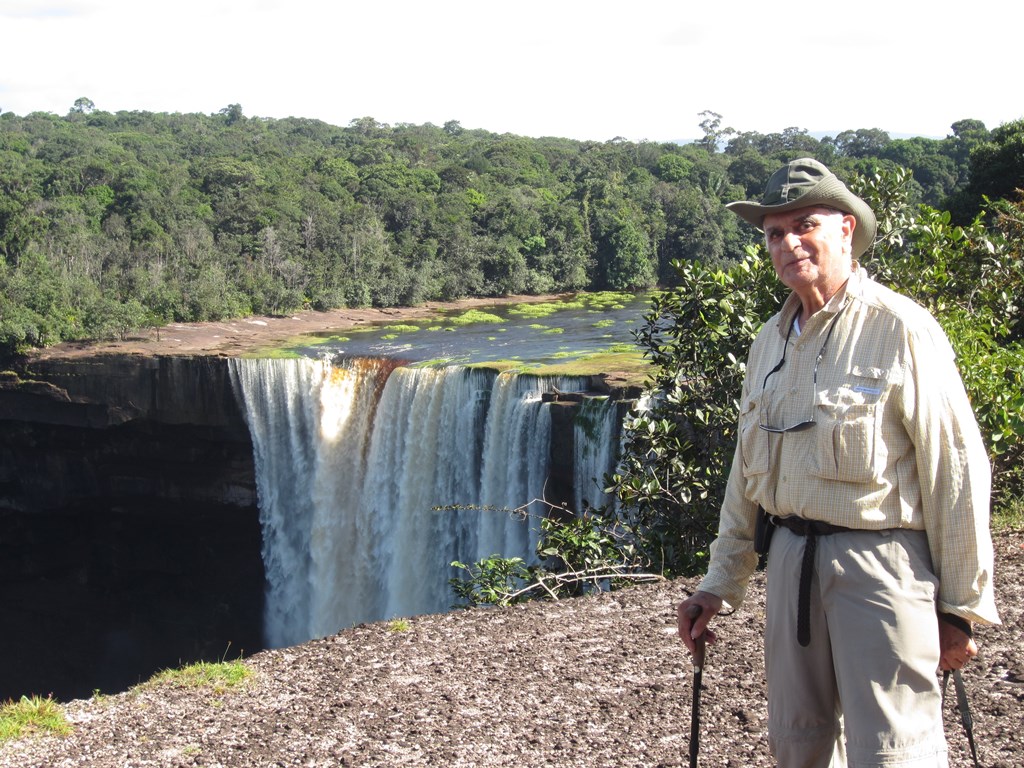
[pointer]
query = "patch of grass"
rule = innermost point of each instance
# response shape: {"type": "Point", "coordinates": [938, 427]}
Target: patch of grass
{"type": "Point", "coordinates": [622, 359]}
{"type": "Point", "coordinates": [604, 323]}
{"type": "Point", "coordinates": [604, 300]}
{"type": "Point", "coordinates": [554, 330]}
{"type": "Point", "coordinates": [32, 716]}
{"type": "Point", "coordinates": [273, 353]}
{"type": "Point", "coordinates": [625, 349]}
{"type": "Point", "coordinates": [322, 337]}
{"type": "Point", "coordinates": [218, 675]}
{"type": "Point", "coordinates": [1008, 517]}
{"type": "Point", "coordinates": [401, 328]}
{"type": "Point", "coordinates": [535, 310]}
{"type": "Point", "coordinates": [474, 316]}
{"type": "Point", "coordinates": [498, 366]}
{"type": "Point", "coordinates": [399, 625]}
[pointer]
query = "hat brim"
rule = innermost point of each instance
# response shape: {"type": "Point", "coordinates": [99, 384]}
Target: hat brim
{"type": "Point", "coordinates": [829, 191]}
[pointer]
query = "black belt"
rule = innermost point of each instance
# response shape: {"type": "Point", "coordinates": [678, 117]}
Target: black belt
{"type": "Point", "coordinates": [810, 530]}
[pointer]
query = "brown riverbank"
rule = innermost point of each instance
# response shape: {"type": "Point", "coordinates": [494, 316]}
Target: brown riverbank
{"type": "Point", "coordinates": [235, 337]}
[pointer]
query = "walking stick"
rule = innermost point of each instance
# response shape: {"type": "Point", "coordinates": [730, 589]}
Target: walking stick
{"type": "Point", "coordinates": [964, 708]}
{"type": "Point", "coordinates": [698, 670]}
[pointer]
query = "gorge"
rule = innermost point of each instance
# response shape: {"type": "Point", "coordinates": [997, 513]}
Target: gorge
{"type": "Point", "coordinates": [163, 509]}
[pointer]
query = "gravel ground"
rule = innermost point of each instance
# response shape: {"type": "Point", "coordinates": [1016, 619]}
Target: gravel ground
{"type": "Point", "coordinates": [596, 681]}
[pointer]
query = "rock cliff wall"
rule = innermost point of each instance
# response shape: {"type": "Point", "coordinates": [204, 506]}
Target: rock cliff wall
{"type": "Point", "coordinates": [129, 530]}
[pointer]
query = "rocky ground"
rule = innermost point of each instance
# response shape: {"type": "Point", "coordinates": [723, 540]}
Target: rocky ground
{"type": "Point", "coordinates": [596, 681]}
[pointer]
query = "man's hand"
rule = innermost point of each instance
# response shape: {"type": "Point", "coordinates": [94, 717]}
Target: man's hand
{"type": "Point", "coordinates": [691, 628]}
{"type": "Point", "coordinates": [956, 647]}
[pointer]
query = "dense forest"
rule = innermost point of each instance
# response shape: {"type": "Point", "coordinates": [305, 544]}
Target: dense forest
{"type": "Point", "coordinates": [111, 222]}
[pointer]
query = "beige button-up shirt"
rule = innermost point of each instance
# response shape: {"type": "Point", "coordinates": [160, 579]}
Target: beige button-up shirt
{"type": "Point", "coordinates": [894, 442]}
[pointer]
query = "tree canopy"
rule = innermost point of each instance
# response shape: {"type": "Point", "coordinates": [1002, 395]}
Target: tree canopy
{"type": "Point", "coordinates": [113, 221]}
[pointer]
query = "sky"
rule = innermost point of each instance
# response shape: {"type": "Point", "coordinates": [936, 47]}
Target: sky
{"type": "Point", "coordinates": [642, 70]}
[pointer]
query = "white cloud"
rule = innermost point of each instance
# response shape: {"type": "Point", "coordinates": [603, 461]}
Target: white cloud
{"type": "Point", "coordinates": [558, 67]}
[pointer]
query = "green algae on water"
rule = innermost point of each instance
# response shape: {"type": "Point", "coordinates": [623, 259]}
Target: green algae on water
{"type": "Point", "coordinates": [474, 316]}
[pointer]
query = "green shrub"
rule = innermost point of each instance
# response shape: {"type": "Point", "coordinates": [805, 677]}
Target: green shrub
{"type": "Point", "coordinates": [578, 554]}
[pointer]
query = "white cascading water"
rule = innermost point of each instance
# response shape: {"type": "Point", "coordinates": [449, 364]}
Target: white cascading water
{"type": "Point", "coordinates": [595, 450]}
{"type": "Point", "coordinates": [352, 457]}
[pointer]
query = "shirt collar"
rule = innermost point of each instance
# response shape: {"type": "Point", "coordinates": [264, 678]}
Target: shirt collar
{"type": "Point", "coordinates": [852, 288]}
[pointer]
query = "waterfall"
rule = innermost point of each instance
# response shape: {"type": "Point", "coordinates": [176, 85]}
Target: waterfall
{"type": "Point", "coordinates": [352, 456]}
{"type": "Point", "coordinates": [596, 443]}
{"type": "Point", "coordinates": [309, 423]}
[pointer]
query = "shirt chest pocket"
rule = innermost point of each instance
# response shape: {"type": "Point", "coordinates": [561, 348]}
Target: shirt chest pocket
{"type": "Point", "coordinates": [849, 446]}
{"type": "Point", "coordinates": [753, 440]}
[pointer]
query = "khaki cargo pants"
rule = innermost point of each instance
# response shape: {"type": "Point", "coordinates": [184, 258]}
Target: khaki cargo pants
{"type": "Point", "coordinates": [865, 691]}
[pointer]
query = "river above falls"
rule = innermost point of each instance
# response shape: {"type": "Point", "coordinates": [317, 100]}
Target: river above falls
{"type": "Point", "coordinates": [526, 335]}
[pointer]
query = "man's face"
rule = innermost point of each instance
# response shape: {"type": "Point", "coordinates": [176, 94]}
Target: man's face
{"type": "Point", "coordinates": [811, 248]}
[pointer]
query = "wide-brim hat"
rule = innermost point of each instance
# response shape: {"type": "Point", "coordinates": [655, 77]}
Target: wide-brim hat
{"type": "Point", "coordinates": [804, 183]}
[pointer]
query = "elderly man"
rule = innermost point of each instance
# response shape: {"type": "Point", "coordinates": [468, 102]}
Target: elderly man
{"type": "Point", "coordinates": [859, 452]}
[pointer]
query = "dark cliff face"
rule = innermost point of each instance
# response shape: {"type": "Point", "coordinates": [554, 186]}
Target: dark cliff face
{"type": "Point", "coordinates": [129, 529]}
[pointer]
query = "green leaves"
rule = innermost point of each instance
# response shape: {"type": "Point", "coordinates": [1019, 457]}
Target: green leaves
{"type": "Point", "coordinates": [678, 447]}
{"type": "Point", "coordinates": [579, 553]}
{"type": "Point", "coordinates": [969, 277]}
{"type": "Point", "coordinates": [492, 581]}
